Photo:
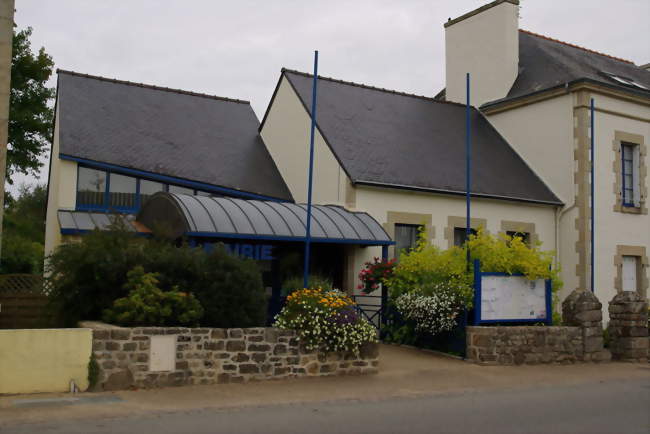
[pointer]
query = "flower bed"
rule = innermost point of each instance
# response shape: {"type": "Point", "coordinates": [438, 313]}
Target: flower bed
{"type": "Point", "coordinates": [325, 321]}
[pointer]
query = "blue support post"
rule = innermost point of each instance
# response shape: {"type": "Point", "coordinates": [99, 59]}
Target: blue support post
{"type": "Point", "coordinates": [477, 292]}
{"type": "Point", "coordinates": [384, 289]}
{"type": "Point", "coordinates": [310, 176]}
{"type": "Point", "coordinates": [593, 234]}
{"type": "Point", "coordinates": [468, 168]}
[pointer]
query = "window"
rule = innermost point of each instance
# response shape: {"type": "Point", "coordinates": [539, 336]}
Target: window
{"type": "Point", "coordinates": [149, 188]}
{"type": "Point", "coordinates": [630, 266]}
{"type": "Point", "coordinates": [122, 192]}
{"type": "Point", "coordinates": [460, 235]}
{"type": "Point", "coordinates": [91, 188]}
{"type": "Point", "coordinates": [630, 174]}
{"type": "Point", "coordinates": [525, 236]}
{"type": "Point", "coordinates": [406, 238]}
{"type": "Point", "coordinates": [180, 190]}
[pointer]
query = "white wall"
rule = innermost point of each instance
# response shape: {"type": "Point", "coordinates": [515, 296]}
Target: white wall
{"type": "Point", "coordinates": [286, 133]}
{"type": "Point", "coordinates": [547, 150]}
{"type": "Point", "coordinates": [487, 46]}
{"type": "Point", "coordinates": [615, 228]}
{"type": "Point", "coordinates": [542, 133]}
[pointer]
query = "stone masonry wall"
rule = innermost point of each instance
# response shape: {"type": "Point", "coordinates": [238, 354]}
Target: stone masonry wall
{"type": "Point", "coordinates": [211, 356]}
{"type": "Point", "coordinates": [530, 345]}
{"type": "Point", "coordinates": [579, 340]}
{"type": "Point", "coordinates": [628, 327]}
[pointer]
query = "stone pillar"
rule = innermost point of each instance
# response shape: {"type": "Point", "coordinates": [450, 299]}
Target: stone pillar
{"type": "Point", "coordinates": [628, 327]}
{"type": "Point", "coordinates": [583, 309]}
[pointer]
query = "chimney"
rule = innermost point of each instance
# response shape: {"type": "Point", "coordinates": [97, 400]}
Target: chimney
{"type": "Point", "coordinates": [485, 43]}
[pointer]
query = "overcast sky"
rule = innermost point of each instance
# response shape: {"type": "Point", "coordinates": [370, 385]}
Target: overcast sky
{"type": "Point", "coordinates": [236, 48]}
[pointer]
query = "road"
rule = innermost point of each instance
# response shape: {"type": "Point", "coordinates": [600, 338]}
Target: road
{"type": "Point", "coordinates": [609, 406]}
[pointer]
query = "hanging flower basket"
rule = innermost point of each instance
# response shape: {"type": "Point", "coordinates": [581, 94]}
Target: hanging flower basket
{"type": "Point", "coordinates": [374, 274]}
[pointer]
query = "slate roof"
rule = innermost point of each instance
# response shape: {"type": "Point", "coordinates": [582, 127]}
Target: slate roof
{"type": "Point", "coordinates": [389, 138]}
{"type": "Point", "coordinates": [182, 134]}
{"type": "Point", "coordinates": [545, 63]}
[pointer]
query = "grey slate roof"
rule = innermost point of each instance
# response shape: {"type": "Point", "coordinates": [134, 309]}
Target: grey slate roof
{"type": "Point", "coordinates": [394, 139]}
{"type": "Point", "coordinates": [182, 134]}
{"type": "Point", "coordinates": [229, 217]}
{"type": "Point", "coordinates": [545, 63]}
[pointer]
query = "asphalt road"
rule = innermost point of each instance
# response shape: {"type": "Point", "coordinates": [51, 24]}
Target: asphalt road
{"type": "Point", "coordinates": [619, 407]}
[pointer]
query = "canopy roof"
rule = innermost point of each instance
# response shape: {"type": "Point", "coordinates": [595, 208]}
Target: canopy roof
{"type": "Point", "coordinates": [222, 217]}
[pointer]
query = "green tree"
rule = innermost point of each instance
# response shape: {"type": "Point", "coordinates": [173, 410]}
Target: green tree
{"type": "Point", "coordinates": [30, 115]}
{"type": "Point", "coordinates": [24, 231]}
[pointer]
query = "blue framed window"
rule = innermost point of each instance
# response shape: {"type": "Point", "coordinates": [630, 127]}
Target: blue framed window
{"type": "Point", "coordinates": [628, 174]}
{"type": "Point", "coordinates": [104, 191]}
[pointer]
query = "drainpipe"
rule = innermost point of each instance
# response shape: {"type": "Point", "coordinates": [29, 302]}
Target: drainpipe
{"type": "Point", "coordinates": [559, 213]}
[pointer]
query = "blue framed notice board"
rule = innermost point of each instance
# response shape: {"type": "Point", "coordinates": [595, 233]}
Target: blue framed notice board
{"type": "Point", "coordinates": [502, 298]}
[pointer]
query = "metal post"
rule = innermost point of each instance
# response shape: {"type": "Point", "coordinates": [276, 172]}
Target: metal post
{"type": "Point", "coordinates": [384, 289]}
{"type": "Point", "coordinates": [311, 170]}
{"type": "Point", "coordinates": [468, 169]}
{"type": "Point", "coordinates": [593, 234]}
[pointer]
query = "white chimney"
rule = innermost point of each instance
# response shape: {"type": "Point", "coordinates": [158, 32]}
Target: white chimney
{"type": "Point", "coordinates": [485, 43]}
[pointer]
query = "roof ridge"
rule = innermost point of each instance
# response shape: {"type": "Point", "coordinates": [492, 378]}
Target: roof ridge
{"type": "Point", "coordinates": [548, 38]}
{"type": "Point", "coordinates": [152, 86]}
{"type": "Point", "coordinates": [369, 87]}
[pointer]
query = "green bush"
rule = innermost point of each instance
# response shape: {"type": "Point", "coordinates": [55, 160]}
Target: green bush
{"type": "Point", "coordinates": [231, 291]}
{"type": "Point", "coordinates": [87, 277]}
{"type": "Point", "coordinates": [148, 305]}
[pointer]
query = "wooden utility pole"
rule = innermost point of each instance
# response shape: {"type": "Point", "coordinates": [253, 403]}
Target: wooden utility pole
{"type": "Point", "coordinates": [6, 40]}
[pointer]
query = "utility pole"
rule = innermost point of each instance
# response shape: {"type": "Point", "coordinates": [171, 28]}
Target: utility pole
{"type": "Point", "coordinates": [6, 40]}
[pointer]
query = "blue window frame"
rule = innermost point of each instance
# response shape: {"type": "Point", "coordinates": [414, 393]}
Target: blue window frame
{"type": "Point", "coordinates": [104, 191]}
{"type": "Point", "coordinates": [627, 173]}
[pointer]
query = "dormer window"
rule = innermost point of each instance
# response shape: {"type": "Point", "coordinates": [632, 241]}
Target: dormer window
{"type": "Point", "coordinates": [625, 80]}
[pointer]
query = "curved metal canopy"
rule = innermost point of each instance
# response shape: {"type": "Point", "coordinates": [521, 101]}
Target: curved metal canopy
{"type": "Point", "coordinates": [224, 217]}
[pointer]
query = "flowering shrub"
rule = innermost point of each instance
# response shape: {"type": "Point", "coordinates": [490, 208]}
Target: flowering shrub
{"type": "Point", "coordinates": [434, 312]}
{"type": "Point", "coordinates": [325, 320]}
{"type": "Point", "coordinates": [375, 273]}
{"type": "Point", "coordinates": [148, 305]}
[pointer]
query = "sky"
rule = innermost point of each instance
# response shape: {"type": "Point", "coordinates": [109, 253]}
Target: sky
{"type": "Point", "coordinates": [237, 48]}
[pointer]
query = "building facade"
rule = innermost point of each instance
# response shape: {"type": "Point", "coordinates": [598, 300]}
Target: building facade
{"type": "Point", "coordinates": [543, 110]}
{"type": "Point", "coordinates": [383, 159]}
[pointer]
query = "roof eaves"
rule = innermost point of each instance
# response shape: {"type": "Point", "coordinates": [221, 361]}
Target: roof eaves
{"type": "Point", "coordinates": [151, 86]}
{"type": "Point", "coordinates": [458, 192]}
{"type": "Point", "coordinates": [567, 85]}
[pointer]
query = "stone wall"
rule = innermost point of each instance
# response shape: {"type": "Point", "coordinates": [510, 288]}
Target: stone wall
{"type": "Point", "coordinates": [503, 345]}
{"type": "Point", "coordinates": [209, 356]}
{"type": "Point", "coordinates": [580, 339]}
{"type": "Point", "coordinates": [628, 327]}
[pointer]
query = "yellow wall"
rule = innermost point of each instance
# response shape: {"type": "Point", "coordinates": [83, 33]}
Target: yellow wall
{"type": "Point", "coordinates": [62, 189]}
{"type": "Point", "coordinates": [286, 134]}
{"type": "Point", "coordinates": [44, 360]}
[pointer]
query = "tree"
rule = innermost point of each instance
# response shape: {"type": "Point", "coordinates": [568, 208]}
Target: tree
{"type": "Point", "coordinates": [30, 116]}
{"type": "Point", "coordinates": [24, 231]}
